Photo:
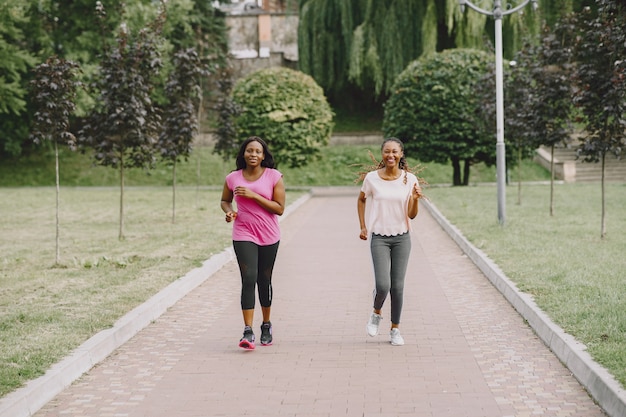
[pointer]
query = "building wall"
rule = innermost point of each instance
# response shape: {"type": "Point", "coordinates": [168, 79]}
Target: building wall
{"type": "Point", "coordinates": [264, 40]}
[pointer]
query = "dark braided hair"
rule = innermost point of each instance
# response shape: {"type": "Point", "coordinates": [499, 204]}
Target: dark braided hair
{"type": "Point", "coordinates": [268, 161]}
{"type": "Point", "coordinates": [403, 164]}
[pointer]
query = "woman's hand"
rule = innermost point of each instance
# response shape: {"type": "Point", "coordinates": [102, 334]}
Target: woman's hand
{"type": "Point", "coordinates": [244, 192]}
{"type": "Point", "coordinates": [363, 235]}
{"type": "Point", "coordinates": [231, 216]}
{"type": "Point", "coordinates": [417, 191]}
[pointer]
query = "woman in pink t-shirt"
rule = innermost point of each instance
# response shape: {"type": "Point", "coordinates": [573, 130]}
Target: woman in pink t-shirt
{"type": "Point", "coordinates": [392, 193]}
{"type": "Point", "coordinates": [259, 194]}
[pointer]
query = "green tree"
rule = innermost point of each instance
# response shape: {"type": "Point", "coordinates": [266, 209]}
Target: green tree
{"type": "Point", "coordinates": [362, 45]}
{"type": "Point", "coordinates": [288, 110]}
{"type": "Point", "coordinates": [180, 123]}
{"type": "Point", "coordinates": [433, 110]}
{"type": "Point", "coordinates": [124, 126]}
{"type": "Point", "coordinates": [601, 85]}
{"type": "Point", "coordinates": [15, 62]}
{"type": "Point", "coordinates": [54, 94]}
{"type": "Point", "coordinates": [551, 96]}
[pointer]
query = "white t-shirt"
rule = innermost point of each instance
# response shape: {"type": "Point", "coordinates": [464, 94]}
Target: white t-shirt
{"type": "Point", "coordinates": [387, 203]}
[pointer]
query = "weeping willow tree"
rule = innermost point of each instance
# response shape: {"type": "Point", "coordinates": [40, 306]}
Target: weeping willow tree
{"type": "Point", "coordinates": [362, 45]}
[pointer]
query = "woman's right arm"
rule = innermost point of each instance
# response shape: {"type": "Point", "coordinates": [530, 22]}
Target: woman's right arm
{"type": "Point", "coordinates": [360, 207]}
{"type": "Point", "coordinates": [227, 204]}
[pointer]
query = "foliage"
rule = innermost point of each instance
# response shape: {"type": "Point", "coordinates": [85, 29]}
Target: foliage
{"type": "Point", "coordinates": [123, 128]}
{"type": "Point", "coordinates": [433, 110]}
{"type": "Point", "coordinates": [54, 90]}
{"type": "Point", "coordinates": [365, 44]}
{"type": "Point", "coordinates": [288, 110]}
{"type": "Point", "coordinates": [32, 30]}
{"type": "Point", "coordinates": [227, 111]}
{"type": "Point", "coordinates": [203, 28]}
{"type": "Point", "coordinates": [601, 83]}
{"type": "Point", "coordinates": [180, 124]}
{"type": "Point", "coordinates": [14, 64]}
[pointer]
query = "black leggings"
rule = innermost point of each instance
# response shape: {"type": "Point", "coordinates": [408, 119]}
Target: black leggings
{"type": "Point", "coordinates": [256, 264]}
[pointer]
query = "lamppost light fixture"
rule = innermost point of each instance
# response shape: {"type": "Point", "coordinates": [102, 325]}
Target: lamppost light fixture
{"type": "Point", "coordinates": [497, 14]}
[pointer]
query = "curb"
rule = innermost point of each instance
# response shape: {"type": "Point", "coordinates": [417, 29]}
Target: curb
{"type": "Point", "coordinates": [26, 401]}
{"type": "Point", "coordinates": [598, 382]}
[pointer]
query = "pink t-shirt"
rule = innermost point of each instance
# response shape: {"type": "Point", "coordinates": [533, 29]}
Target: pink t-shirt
{"type": "Point", "coordinates": [253, 223]}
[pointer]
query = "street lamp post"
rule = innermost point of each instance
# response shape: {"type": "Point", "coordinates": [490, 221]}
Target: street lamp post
{"type": "Point", "coordinates": [497, 14]}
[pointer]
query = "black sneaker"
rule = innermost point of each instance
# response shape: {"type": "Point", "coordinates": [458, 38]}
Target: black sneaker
{"type": "Point", "coordinates": [247, 341]}
{"type": "Point", "coordinates": [266, 333]}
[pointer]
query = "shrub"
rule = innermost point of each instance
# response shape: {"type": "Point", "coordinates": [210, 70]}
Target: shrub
{"type": "Point", "coordinates": [288, 110]}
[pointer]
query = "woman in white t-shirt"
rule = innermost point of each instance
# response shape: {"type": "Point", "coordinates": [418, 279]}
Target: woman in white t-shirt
{"type": "Point", "coordinates": [392, 193]}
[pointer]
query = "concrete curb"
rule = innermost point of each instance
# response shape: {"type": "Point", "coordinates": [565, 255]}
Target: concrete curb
{"type": "Point", "coordinates": [26, 401]}
{"type": "Point", "coordinates": [600, 384]}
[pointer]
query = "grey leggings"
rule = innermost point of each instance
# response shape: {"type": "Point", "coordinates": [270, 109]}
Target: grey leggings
{"type": "Point", "coordinates": [256, 264]}
{"type": "Point", "coordinates": [390, 256]}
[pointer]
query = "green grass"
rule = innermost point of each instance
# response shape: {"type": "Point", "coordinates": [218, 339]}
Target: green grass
{"type": "Point", "coordinates": [576, 277]}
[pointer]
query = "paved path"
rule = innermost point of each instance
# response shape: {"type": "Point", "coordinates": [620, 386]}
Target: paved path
{"type": "Point", "coordinates": [467, 352]}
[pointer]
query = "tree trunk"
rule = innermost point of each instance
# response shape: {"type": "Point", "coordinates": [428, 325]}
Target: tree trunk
{"type": "Point", "coordinates": [121, 234]}
{"type": "Point", "coordinates": [466, 171]}
{"type": "Point", "coordinates": [56, 171]}
{"type": "Point", "coordinates": [519, 176]}
{"type": "Point", "coordinates": [174, 193]}
{"type": "Point", "coordinates": [456, 171]}
{"type": "Point", "coordinates": [552, 180]}
{"type": "Point", "coordinates": [603, 226]}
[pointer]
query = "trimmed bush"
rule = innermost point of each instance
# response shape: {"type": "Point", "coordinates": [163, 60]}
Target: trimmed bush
{"type": "Point", "coordinates": [286, 108]}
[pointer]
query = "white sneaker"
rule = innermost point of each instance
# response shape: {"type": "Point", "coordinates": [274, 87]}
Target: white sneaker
{"type": "Point", "coordinates": [396, 337]}
{"type": "Point", "coordinates": [373, 323]}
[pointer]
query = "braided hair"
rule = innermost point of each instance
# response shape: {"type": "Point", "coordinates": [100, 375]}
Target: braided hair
{"type": "Point", "coordinates": [403, 164]}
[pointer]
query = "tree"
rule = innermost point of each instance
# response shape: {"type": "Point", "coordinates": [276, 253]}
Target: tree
{"type": "Point", "coordinates": [538, 103]}
{"type": "Point", "coordinates": [14, 65]}
{"type": "Point", "coordinates": [433, 110]}
{"type": "Point", "coordinates": [123, 128]}
{"type": "Point", "coordinates": [180, 123]}
{"type": "Point", "coordinates": [362, 45]}
{"type": "Point", "coordinates": [551, 102]}
{"type": "Point", "coordinates": [600, 78]}
{"type": "Point", "coordinates": [288, 110]}
{"type": "Point", "coordinates": [54, 94]}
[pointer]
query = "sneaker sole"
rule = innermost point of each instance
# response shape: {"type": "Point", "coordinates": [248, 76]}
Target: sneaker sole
{"type": "Point", "coordinates": [266, 344]}
{"type": "Point", "coordinates": [244, 344]}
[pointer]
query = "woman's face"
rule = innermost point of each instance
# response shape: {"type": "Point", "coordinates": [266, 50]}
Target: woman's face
{"type": "Point", "coordinates": [392, 152]}
{"type": "Point", "coordinates": [253, 154]}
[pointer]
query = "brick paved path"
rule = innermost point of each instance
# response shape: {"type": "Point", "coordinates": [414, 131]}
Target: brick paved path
{"type": "Point", "coordinates": [467, 352]}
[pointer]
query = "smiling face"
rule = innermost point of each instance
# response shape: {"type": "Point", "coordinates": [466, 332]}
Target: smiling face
{"type": "Point", "coordinates": [391, 153]}
{"type": "Point", "coordinates": [253, 154]}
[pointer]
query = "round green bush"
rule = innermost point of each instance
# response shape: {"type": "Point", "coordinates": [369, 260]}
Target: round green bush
{"type": "Point", "coordinates": [287, 109]}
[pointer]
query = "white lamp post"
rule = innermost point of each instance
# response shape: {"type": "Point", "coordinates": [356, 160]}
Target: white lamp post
{"type": "Point", "coordinates": [497, 14]}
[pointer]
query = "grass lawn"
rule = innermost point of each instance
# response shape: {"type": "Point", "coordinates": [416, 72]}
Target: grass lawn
{"type": "Point", "coordinates": [576, 277]}
{"type": "Point", "coordinates": [46, 310]}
